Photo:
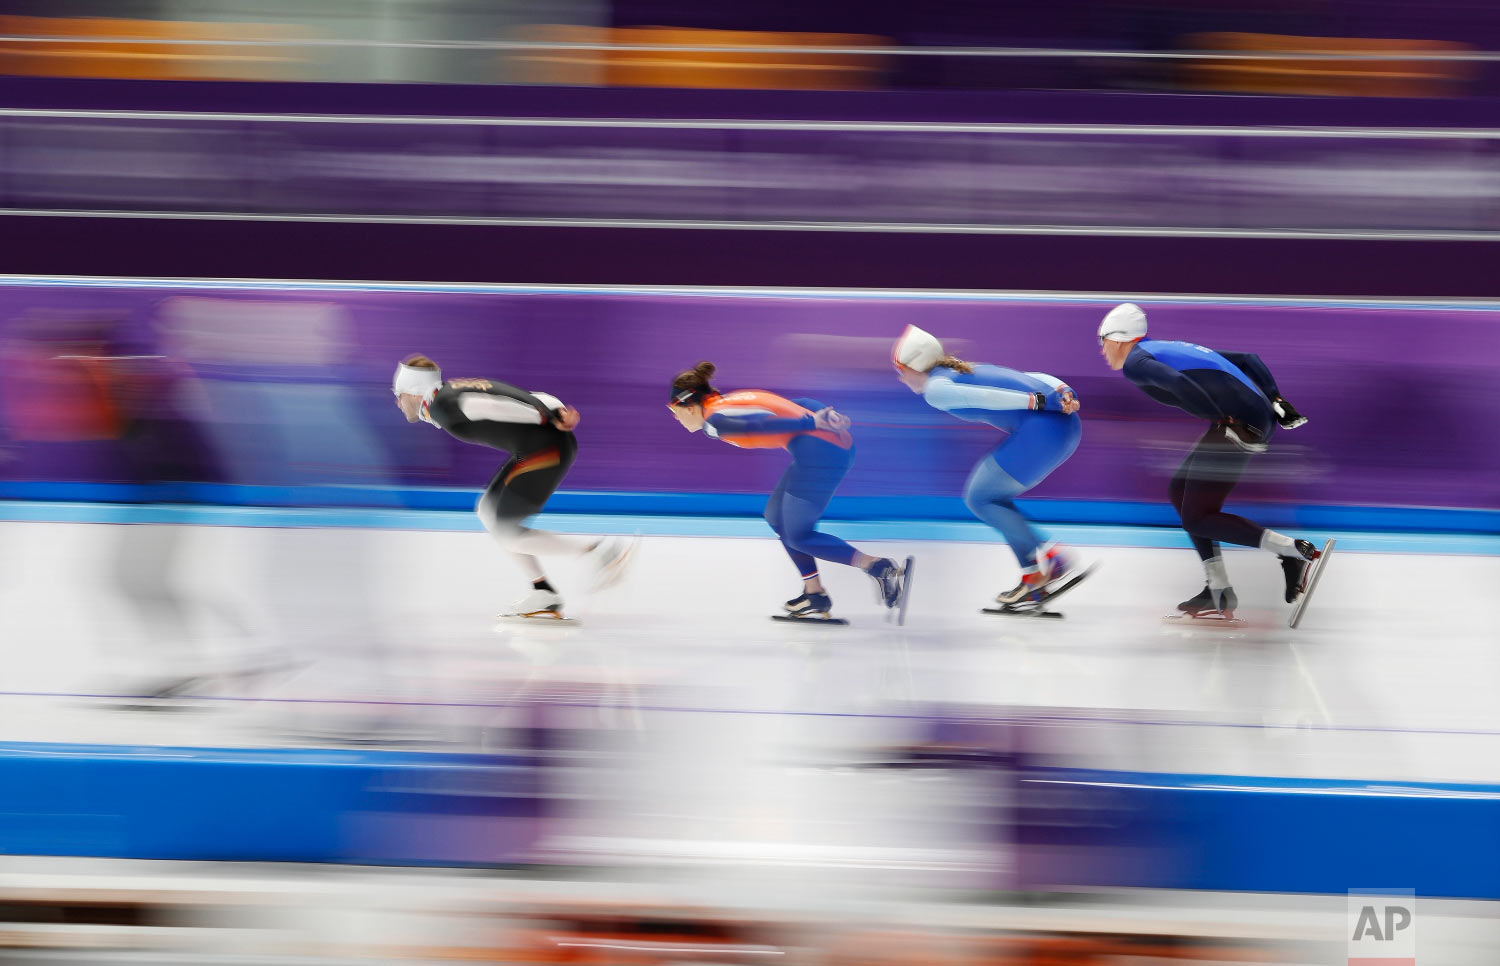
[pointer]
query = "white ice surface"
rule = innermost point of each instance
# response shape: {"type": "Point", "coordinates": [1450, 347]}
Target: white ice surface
{"type": "Point", "coordinates": [1391, 676]}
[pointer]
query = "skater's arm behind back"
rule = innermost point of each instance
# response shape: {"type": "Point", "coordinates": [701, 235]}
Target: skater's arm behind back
{"type": "Point", "coordinates": [758, 423]}
{"type": "Point", "coordinates": [971, 401]}
{"type": "Point", "coordinates": [1250, 364]}
{"type": "Point", "coordinates": [484, 400]}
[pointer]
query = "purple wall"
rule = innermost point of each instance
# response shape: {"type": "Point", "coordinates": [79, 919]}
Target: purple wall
{"type": "Point", "coordinates": [718, 173]}
{"type": "Point", "coordinates": [291, 387]}
{"type": "Point", "coordinates": [653, 256]}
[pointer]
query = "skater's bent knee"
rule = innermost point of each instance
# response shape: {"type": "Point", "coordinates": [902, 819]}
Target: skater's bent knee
{"type": "Point", "coordinates": [798, 539]}
{"type": "Point", "coordinates": [507, 532]}
{"type": "Point", "coordinates": [1194, 521]}
{"type": "Point", "coordinates": [975, 504]}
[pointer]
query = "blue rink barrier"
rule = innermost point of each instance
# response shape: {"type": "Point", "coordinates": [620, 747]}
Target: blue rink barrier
{"type": "Point", "coordinates": [1386, 519]}
{"type": "Point", "coordinates": [266, 805]}
{"type": "Point", "coordinates": [1089, 828]}
{"type": "Point", "coordinates": [1071, 827]}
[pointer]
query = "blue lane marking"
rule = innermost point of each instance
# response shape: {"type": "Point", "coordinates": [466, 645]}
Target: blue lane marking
{"type": "Point", "coordinates": [689, 526]}
{"type": "Point", "coordinates": [747, 292]}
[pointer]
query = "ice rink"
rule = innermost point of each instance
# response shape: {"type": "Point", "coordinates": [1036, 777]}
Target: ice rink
{"type": "Point", "coordinates": [330, 629]}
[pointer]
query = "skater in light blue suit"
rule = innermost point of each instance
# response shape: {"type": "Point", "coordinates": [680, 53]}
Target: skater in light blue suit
{"type": "Point", "coordinates": [1040, 414]}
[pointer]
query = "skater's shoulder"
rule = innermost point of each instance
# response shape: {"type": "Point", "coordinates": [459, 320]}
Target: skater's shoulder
{"type": "Point", "coordinates": [1149, 355]}
{"type": "Point", "coordinates": [1179, 355]}
{"type": "Point", "coordinates": [1148, 348]}
{"type": "Point", "coordinates": [1139, 355]}
{"type": "Point", "coordinates": [452, 388]}
{"type": "Point", "coordinates": [444, 402]}
{"type": "Point", "coordinates": [982, 374]}
{"type": "Point", "coordinates": [746, 400]}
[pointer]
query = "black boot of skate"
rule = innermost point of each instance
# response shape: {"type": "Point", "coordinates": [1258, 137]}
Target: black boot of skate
{"type": "Point", "coordinates": [1294, 569]}
{"type": "Point", "coordinates": [1211, 605]}
{"type": "Point", "coordinates": [809, 606]}
{"type": "Point", "coordinates": [887, 577]}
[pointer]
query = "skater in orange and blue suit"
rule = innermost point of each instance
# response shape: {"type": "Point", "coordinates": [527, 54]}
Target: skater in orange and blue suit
{"type": "Point", "coordinates": [822, 450]}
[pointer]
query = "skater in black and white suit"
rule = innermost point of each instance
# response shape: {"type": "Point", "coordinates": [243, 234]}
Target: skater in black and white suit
{"type": "Point", "coordinates": [537, 430]}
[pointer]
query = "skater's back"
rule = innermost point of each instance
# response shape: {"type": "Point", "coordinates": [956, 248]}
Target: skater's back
{"type": "Point", "coordinates": [1201, 382]}
{"type": "Point", "coordinates": [494, 414]}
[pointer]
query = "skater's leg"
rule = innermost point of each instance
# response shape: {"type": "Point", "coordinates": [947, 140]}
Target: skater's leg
{"type": "Point", "coordinates": [807, 493]}
{"type": "Point", "coordinates": [807, 567]}
{"type": "Point", "coordinates": [520, 490]}
{"type": "Point", "coordinates": [1215, 576]}
{"type": "Point", "coordinates": [1206, 549]}
{"type": "Point", "coordinates": [505, 526]}
{"type": "Point", "coordinates": [1039, 445]}
{"type": "Point", "coordinates": [1208, 476]}
{"type": "Point", "coordinates": [816, 471]}
{"type": "Point", "coordinates": [989, 496]}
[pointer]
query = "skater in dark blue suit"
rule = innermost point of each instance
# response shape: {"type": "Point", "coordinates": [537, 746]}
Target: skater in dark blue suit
{"type": "Point", "coordinates": [1236, 393]}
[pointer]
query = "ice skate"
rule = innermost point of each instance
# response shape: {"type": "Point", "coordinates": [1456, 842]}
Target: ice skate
{"type": "Point", "coordinates": [611, 558]}
{"type": "Point", "coordinates": [808, 605]}
{"type": "Point", "coordinates": [1245, 437]}
{"type": "Point", "coordinates": [539, 605]}
{"type": "Point", "coordinates": [1209, 606]}
{"type": "Point", "coordinates": [892, 585]}
{"type": "Point", "coordinates": [1308, 582]}
{"type": "Point", "coordinates": [1038, 588]}
{"type": "Point", "coordinates": [1029, 590]}
{"type": "Point", "coordinates": [1295, 569]}
{"type": "Point", "coordinates": [1025, 608]}
{"type": "Point", "coordinates": [905, 596]}
{"type": "Point", "coordinates": [1060, 572]}
{"type": "Point", "coordinates": [887, 577]}
{"type": "Point", "coordinates": [809, 609]}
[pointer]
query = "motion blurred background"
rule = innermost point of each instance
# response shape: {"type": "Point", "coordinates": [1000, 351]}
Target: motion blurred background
{"type": "Point", "coordinates": [255, 713]}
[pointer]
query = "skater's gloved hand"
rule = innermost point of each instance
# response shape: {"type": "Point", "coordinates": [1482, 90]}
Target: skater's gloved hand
{"type": "Point", "coordinates": [566, 418]}
{"type": "Point", "coordinates": [830, 420]}
{"type": "Point", "coordinates": [1062, 401]}
{"type": "Point", "coordinates": [1286, 414]}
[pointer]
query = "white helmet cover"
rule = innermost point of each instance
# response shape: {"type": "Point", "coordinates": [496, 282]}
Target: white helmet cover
{"type": "Point", "coordinates": [416, 382]}
{"type": "Point", "coordinates": [1124, 323]}
{"type": "Point", "coordinates": [917, 350]}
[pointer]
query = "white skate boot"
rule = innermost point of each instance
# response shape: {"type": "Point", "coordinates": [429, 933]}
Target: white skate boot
{"type": "Point", "coordinates": [611, 558]}
{"type": "Point", "coordinates": [539, 605]}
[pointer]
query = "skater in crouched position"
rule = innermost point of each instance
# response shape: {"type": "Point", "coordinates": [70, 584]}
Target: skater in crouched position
{"type": "Point", "coordinates": [822, 450]}
{"type": "Point", "coordinates": [1040, 414]}
{"type": "Point", "coordinates": [537, 430]}
{"type": "Point", "coordinates": [1236, 393]}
